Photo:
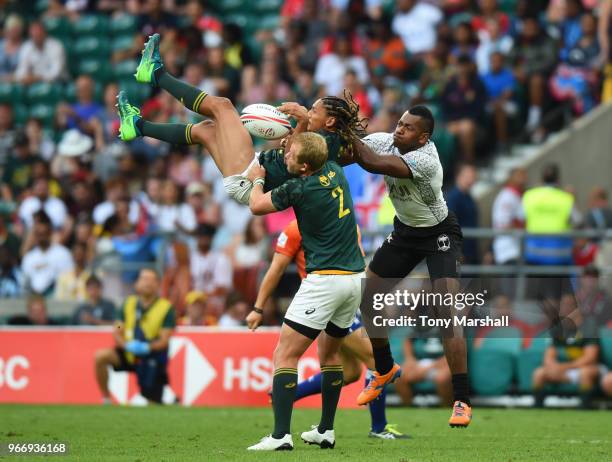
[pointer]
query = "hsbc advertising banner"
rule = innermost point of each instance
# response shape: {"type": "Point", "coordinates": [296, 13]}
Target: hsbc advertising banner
{"type": "Point", "coordinates": [208, 367]}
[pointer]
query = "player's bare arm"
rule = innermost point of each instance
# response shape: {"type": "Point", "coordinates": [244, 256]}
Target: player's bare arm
{"type": "Point", "coordinates": [260, 203]}
{"type": "Point", "coordinates": [374, 163]}
{"type": "Point", "coordinates": [269, 283]}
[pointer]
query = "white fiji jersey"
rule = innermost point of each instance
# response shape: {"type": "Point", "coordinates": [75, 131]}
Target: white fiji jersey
{"type": "Point", "coordinates": [418, 201]}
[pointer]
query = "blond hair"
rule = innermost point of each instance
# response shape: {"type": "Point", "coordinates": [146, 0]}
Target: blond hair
{"type": "Point", "coordinates": [313, 150]}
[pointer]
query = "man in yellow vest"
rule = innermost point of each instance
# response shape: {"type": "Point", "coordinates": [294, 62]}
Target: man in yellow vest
{"type": "Point", "coordinates": [549, 213]}
{"type": "Point", "coordinates": [142, 334]}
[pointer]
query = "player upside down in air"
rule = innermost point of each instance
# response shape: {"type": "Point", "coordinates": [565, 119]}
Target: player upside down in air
{"type": "Point", "coordinates": [356, 349]}
{"type": "Point", "coordinates": [329, 296]}
{"type": "Point", "coordinates": [224, 136]}
{"type": "Point", "coordinates": [423, 229]}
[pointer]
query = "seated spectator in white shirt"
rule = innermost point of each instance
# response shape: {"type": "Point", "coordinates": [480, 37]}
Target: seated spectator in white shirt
{"type": "Point", "coordinates": [236, 310]}
{"type": "Point", "coordinates": [252, 247]}
{"type": "Point", "coordinates": [53, 207]}
{"type": "Point", "coordinates": [332, 67]}
{"type": "Point", "coordinates": [115, 189]}
{"type": "Point", "coordinates": [415, 22]}
{"type": "Point", "coordinates": [42, 58]}
{"type": "Point", "coordinates": [172, 214]}
{"type": "Point", "coordinates": [211, 271]}
{"type": "Point", "coordinates": [42, 265]}
{"type": "Point", "coordinates": [70, 285]}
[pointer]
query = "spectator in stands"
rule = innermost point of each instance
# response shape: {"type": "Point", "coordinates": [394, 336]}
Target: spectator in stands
{"type": "Point", "coordinates": [463, 103]}
{"type": "Point", "coordinates": [108, 117]}
{"type": "Point", "coordinates": [197, 311]}
{"type": "Point", "coordinates": [415, 22]}
{"type": "Point", "coordinates": [211, 271]}
{"type": "Point", "coordinates": [332, 67]}
{"type": "Point", "coordinates": [11, 278]}
{"type": "Point", "coordinates": [507, 214]}
{"type": "Point", "coordinates": [40, 199]}
{"type": "Point", "coordinates": [433, 367]}
{"type": "Point", "coordinates": [84, 111]}
{"type": "Point", "coordinates": [42, 58]}
{"type": "Point", "coordinates": [385, 51]}
{"type": "Point", "coordinates": [9, 241]}
{"type": "Point", "coordinates": [96, 311]}
{"type": "Point", "coordinates": [236, 310]}
{"type": "Point", "coordinates": [489, 13]}
{"type": "Point", "coordinates": [42, 265]}
{"type": "Point", "coordinates": [115, 189]}
{"type": "Point", "coordinates": [155, 19]}
{"type": "Point", "coordinates": [183, 167]}
{"type": "Point", "coordinates": [71, 285]}
{"type": "Point", "coordinates": [461, 202]}
{"type": "Point", "coordinates": [491, 41]}
{"type": "Point", "coordinates": [176, 282]}
{"type": "Point", "coordinates": [572, 358]}
{"type": "Point", "coordinates": [18, 168]}
{"type": "Point", "coordinates": [172, 214]}
{"type": "Point", "coordinates": [144, 326]}
{"type": "Point", "coordinates": [533, 57]}
{"type": "Point", "coordinates": [200, 198]}
{"type": "Point", "coordinates": [594, 302]}
{"type": "Point", "coordinates": [466, 42]}
{"type": "Point", "coordinates": [599, 215]}
{"type": "Point", "coordinates": [221, 78]}
{"type": "Point", "coordinates": [36, 314]}
{"type": "Point", "coordinates": [577, 76]}
{"type": "Point", "coordinates": [251, 248]}
{"type": "Point", "coordinates": [500, 84]}
{"type": "Point", "coordinates": [7, 133]}
{"type": "Point", "coordinates": [10, 47]}
{"type": "Point", "coordinates": [40, 141]}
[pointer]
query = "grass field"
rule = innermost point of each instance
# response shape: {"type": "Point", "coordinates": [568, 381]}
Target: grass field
{"type": "Point", "coordinates": [97, 433]}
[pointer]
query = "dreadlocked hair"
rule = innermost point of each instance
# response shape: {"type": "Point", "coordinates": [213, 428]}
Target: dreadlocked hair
{"type": "Point", "coordinates": [346, 111]}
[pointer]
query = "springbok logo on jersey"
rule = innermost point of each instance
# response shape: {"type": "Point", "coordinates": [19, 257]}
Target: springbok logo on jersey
{"type": "Point", "coordinates": [443, 242]}
{"type": "Point", "coordinates": [324, 180]}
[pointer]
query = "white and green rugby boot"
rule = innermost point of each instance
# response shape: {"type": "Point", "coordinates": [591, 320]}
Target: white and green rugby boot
{"type": "Point", "coordinates": [269, 443]}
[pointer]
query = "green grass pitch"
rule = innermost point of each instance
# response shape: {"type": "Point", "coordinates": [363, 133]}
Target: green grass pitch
{"type": "Point", "coordinates": [97, 433]}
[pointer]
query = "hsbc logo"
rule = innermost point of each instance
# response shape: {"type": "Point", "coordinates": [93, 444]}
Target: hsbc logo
{"type": "Point", "coordinates": [12, 372]}
{"type": "Point", "coordinates": [197, 375]}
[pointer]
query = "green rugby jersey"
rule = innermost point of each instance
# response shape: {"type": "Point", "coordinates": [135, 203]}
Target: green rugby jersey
{"type": "Point", "coordinates": [273, 160]}
{"type": "Point", "coordinates": [324, 209]}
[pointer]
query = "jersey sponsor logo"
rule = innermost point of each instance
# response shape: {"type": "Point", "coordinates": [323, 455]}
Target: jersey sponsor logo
{"type": "Point", "coordinates": [400, 192]}
{"type": "Point", "coordinates": [324, 180]}
{"type": "Point", "coordinates": [443, 243]}
{"type": "Point", "coordinates": [309, 311]}
{"type": "Point", "coordinates": [282, 240]}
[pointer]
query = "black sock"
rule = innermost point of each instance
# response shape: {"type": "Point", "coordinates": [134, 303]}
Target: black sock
{"type": "Point", "coordinates": [284, 386]}
{"type": "Point", "coordinates": [332, 380]}
{"type": "Point", "coordinates": [383, 359]}
{"type": "Point", "coordinates": [171, 133]}
{"type": "Point", "coordinates": [189, 96]}
{"type": "Point", "coordinates": [461, 388]}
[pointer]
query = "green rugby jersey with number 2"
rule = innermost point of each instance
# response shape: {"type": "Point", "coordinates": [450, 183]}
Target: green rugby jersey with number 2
{"type": "Point", "coordinates": [324, 210]}
{"type": "Point", "coordinates": [273, 160]}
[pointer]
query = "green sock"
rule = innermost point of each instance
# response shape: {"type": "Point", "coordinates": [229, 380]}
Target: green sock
{"type": "Point", "coordinates": [332, 380]}
{"type": "Point", "coordinates": [284, 386]}
{"type": "Point", "coordinates": [190, 97]}
{"type": "Point", "coordinates": [171, 133]}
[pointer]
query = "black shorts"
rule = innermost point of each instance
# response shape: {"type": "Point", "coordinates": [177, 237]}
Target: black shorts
{"type": "Point", "coordinates": [407, 246]}
{"type": "Point", "coordinates": [151, 374]}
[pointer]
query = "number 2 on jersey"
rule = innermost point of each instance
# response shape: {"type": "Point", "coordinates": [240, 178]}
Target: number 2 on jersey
{"type": "Point", "coordinates": [339, 193]}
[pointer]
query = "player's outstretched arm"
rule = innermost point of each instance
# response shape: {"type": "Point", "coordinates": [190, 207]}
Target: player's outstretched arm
{"type": "Point", "coordinates": [260, 203]}
{"type": "Point", "coordinates": [268, 285]}
{"type": "Point", "coordinates": [385, 165]}
{"type": "Point", "coordinates": [300, 114]}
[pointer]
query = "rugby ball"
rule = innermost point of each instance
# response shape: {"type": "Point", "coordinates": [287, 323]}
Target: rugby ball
{"type": "Point", "coordinates": [265, 121]}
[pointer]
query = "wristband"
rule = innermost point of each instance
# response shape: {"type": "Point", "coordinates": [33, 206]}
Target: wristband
{"type": "Point", "coordinates": [257, 310]}
{"type": "Point", "coordinates": [259, 181]}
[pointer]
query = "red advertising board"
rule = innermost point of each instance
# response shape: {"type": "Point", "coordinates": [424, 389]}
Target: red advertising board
{"type": "Point", "coordinates": [208, 367]}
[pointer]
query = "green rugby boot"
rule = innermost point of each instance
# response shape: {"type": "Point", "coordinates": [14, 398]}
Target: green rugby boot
{"type": "Point", "coordinates": [150, 61]}
{"type": "Point", "coordinates": [129, 115]}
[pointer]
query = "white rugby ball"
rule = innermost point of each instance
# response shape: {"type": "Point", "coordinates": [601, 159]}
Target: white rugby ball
{"type": "Point", "coordinates": [265, 121]}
